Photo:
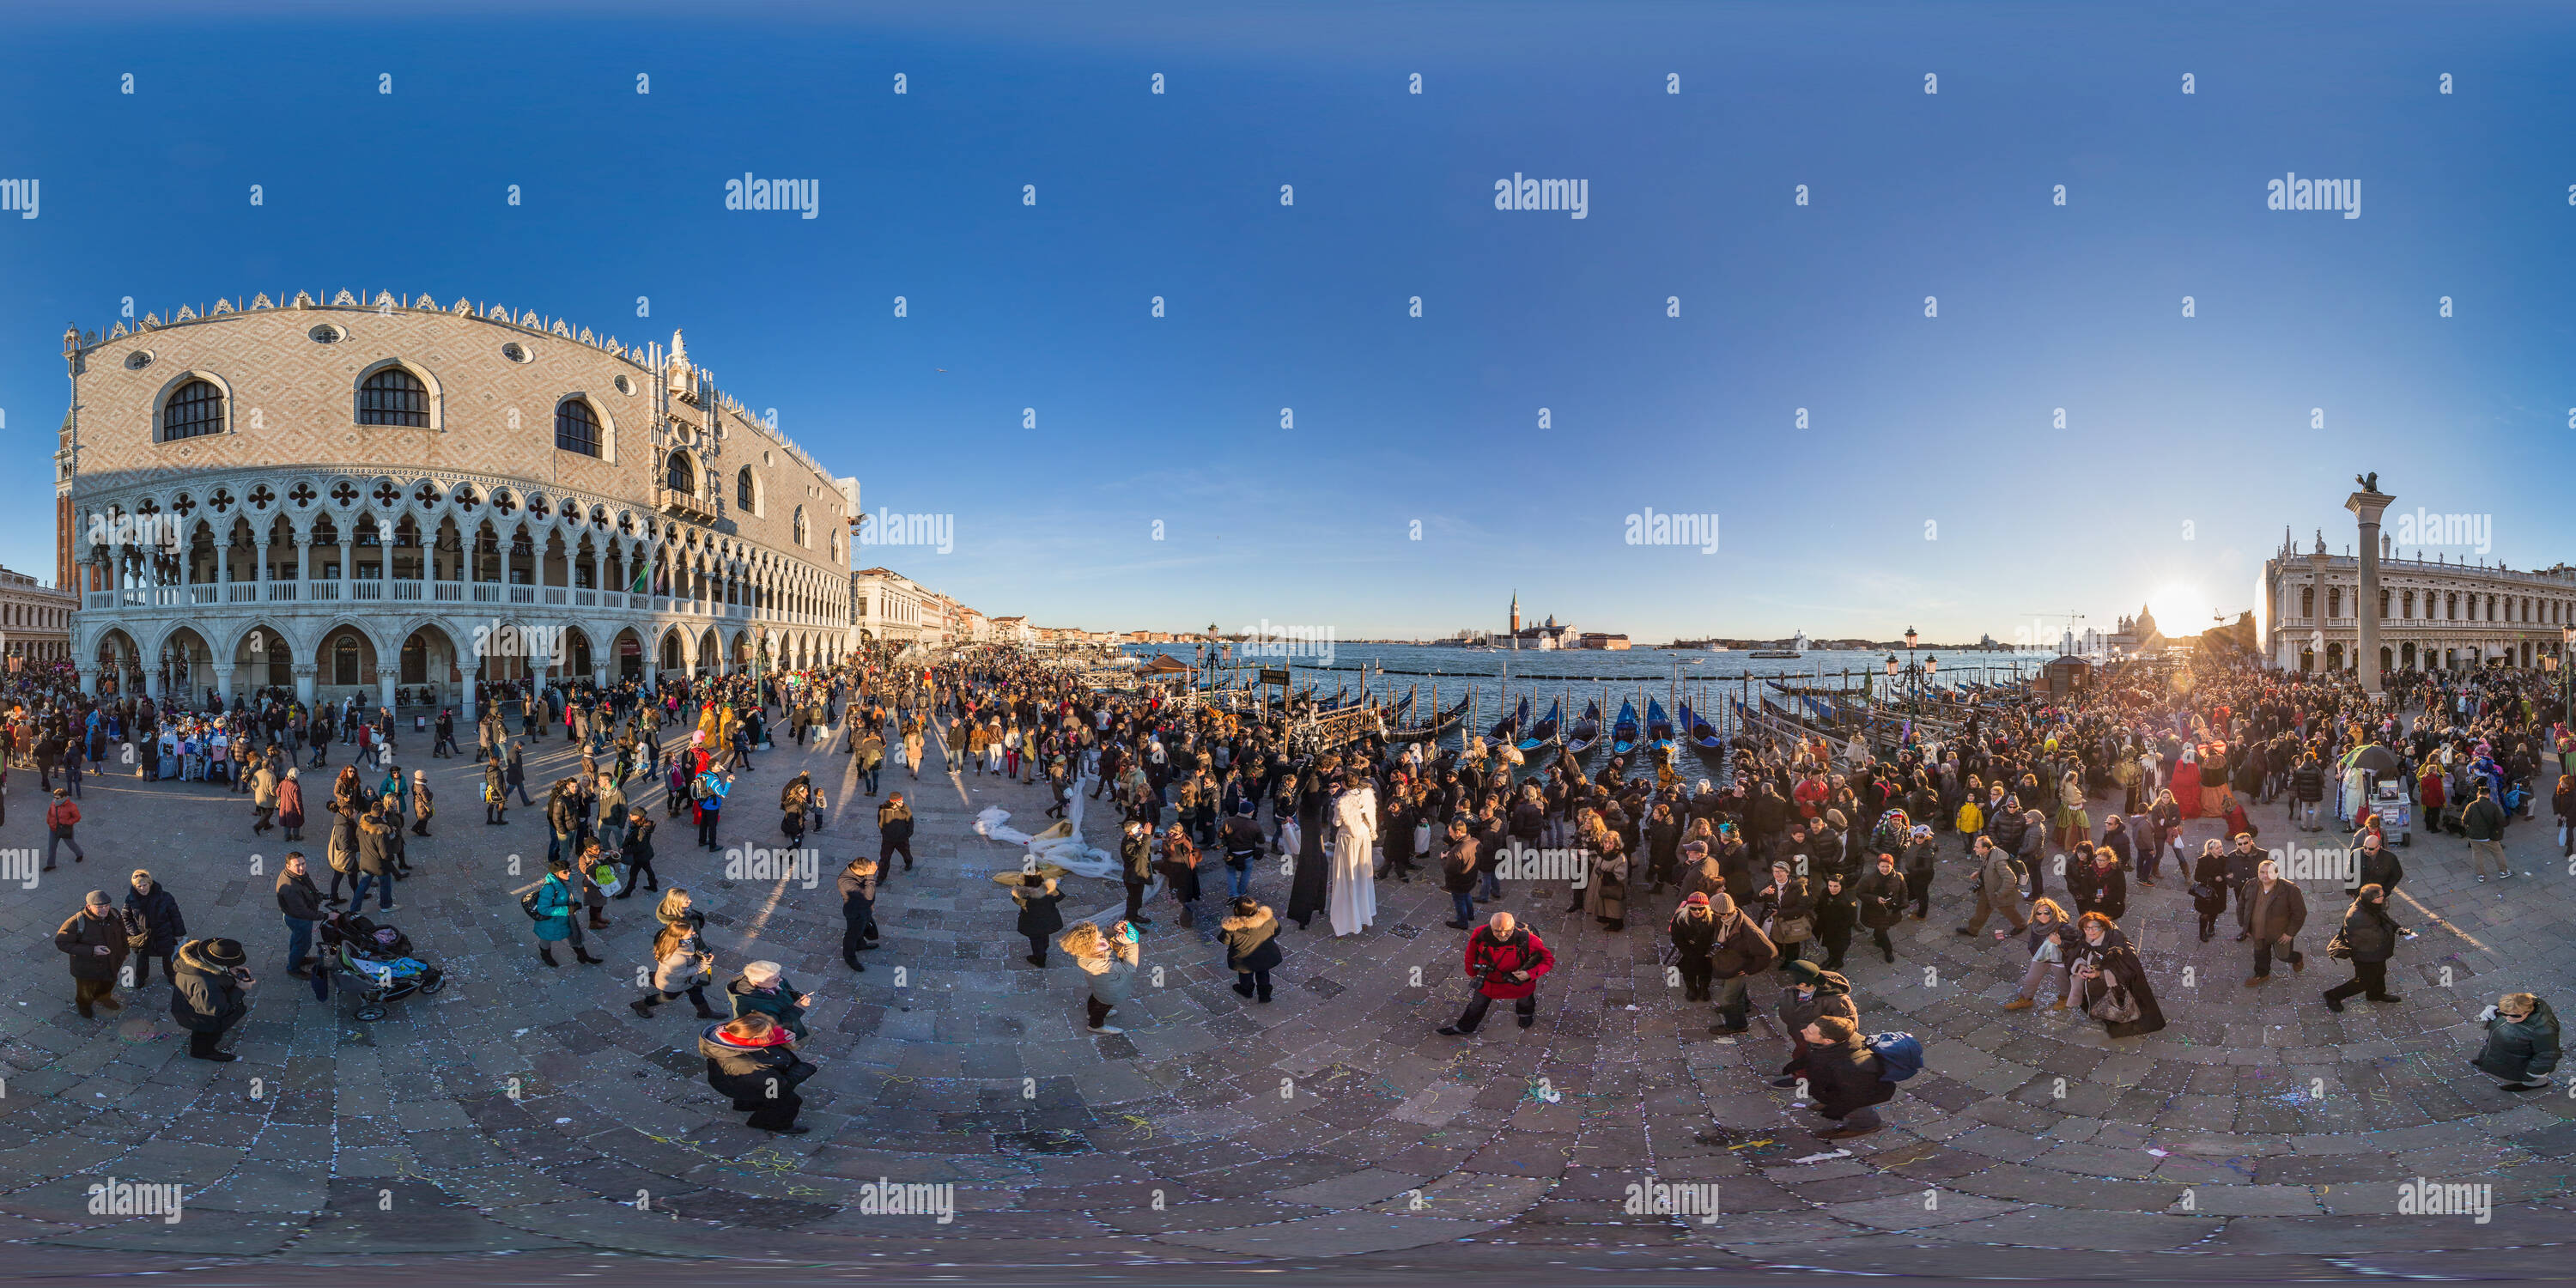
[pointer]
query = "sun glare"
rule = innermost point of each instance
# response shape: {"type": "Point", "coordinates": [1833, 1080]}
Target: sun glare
{"type": "Point", "coordinates": [2179, 607]}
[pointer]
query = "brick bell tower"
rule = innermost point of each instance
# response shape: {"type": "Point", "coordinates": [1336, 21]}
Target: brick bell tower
{"type": "Point", "coordinates": [65, 464]}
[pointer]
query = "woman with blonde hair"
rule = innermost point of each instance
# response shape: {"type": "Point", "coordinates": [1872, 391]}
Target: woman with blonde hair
{"type": "Point", "coordinates": [1109, 958]}
{"type": "Point", "coordinates": [2052, 942]}
{"type": "Point", "coordinates": [681, 963]}
{"type": "Point", "coordinates": [753, 1059]}
{"type": "Point", "coordinates": [2522, 1042]}
{"type": "Point", "coordinates": [675, 909]}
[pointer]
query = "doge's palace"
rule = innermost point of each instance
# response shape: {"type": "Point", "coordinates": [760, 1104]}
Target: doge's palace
{"type": "Point", "coordinates": [352, 498]}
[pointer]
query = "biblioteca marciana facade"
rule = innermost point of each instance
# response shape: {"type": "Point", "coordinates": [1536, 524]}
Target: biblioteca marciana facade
{"type": "Point", "coordinates": [387, 499]}
{"type": "Point", "coordinates": [2438, 614]}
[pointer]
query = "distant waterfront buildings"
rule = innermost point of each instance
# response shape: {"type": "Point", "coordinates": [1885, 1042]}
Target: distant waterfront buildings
{"type": "Point", "coordinates": [35, 619]}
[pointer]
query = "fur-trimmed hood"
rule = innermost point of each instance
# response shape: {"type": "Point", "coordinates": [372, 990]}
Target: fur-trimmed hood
{"type": "Point", "coordinates": [1250, 922]}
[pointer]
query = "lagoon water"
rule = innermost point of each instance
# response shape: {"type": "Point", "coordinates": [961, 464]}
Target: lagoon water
{"type": "Point", "coordinates": [1705, 679]}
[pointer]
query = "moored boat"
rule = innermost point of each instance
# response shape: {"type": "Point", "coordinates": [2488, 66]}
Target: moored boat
{"type": "Point", "coordinates": [1700, 734]}
{"type": "Point", "coordinates": [1623, 731]}
{"type": "Point", "coordinates": [1659, 727]}
{"type": "Point", "coordinates": [1586, 732]}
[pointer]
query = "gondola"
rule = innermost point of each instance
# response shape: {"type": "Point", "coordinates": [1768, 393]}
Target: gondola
{"type": "Point", "coordinates": [1623, 731]}
{"type": "Point", "coordinates": [1659, 728]}
{"type": "Point", "coordinates": [1586, 733]}
{"type": "Point", "coordinates": [1544, 732]}
{"type": "Point", "coordinates": [1700, 734]}
{"type": "Point", "coordinates": [1508, 728]}
{"type": "Point", "coordinates": [1335, 702]}
{"type": "Point", "coordinates": [1439, 728]}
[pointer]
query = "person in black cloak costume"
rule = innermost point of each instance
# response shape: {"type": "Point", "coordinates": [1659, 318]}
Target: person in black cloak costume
{"type": "Point", "coordinates": [2107, 955]}
{"type": "Point", "coordinates": [1311, 891]}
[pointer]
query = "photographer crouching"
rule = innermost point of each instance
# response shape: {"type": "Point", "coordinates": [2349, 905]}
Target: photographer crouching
{"type": "Point", "coordinates": [1505, 959]}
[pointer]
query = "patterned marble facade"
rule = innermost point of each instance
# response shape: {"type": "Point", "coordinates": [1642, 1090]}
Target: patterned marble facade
{"type": "Point", "coordinates": [360, 497]}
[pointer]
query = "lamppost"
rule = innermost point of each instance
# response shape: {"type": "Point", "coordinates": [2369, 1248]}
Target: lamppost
{"type": "Point", "coordinates": [1917, 675]}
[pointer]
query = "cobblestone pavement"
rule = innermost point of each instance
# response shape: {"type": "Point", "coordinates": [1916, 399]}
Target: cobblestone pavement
{"type": "Point", "coordinates": [2257, 1136]}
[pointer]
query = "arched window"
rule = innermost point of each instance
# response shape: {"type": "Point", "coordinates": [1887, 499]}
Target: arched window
{"type": "Point", "coordinates": [744, 491]}
{"type": "Point", "coordinates": [195, 409]}
{"type": "Point", "coordinates": [576, 427]}
{"type": "Point", "coordinates": [678, 475]}
{"type": "Point", "coordinates": [393, 396]}
{"type": "Point", "coordinates": [800, 525]}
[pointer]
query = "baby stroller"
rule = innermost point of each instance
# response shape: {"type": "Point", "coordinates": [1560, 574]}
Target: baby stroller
{"type": "Point", "coordinates": [376, 963]}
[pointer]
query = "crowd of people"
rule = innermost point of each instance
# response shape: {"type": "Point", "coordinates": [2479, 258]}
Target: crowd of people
{"type": "Point", "coordinates": [1769, 875]}
{"type": "Point", "coordinates": [1808, 845]}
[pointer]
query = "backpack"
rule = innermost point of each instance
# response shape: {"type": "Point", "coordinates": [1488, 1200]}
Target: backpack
{"type": "Point", "coordinates": [1900, 1056]}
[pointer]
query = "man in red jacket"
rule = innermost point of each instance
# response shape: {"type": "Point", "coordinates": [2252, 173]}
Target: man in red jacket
{"type": "Point", "coordinates": [60, 818]}
{"type": "Point", "coordinates": [1506, 960]}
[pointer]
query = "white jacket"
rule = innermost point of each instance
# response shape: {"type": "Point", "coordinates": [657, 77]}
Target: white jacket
{"type": "Point", "coordinates": [1355, 817]}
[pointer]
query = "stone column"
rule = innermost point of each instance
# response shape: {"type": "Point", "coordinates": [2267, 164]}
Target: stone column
{"type": "Point", "coordinates": [385, 677]}
{"type": "Point", "coordinates": [89, 680]}
{"type": "Point", "coordinates": [2367, 507]}
{"type": "Point", "coordinates": [304, 684]}
{"type": "Point", "coordinates": [225, 677]}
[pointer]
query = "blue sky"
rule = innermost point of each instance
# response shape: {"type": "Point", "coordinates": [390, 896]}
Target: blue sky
{"type": "Point", "coordinates": [2171, 421]}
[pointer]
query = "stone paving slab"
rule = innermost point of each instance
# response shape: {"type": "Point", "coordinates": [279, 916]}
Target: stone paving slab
{"type": "Point", "coordinates": [522, 1108]}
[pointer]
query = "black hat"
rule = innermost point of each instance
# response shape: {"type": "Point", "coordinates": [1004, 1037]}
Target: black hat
{"type": "Point", "coordinates": [224, 952]}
